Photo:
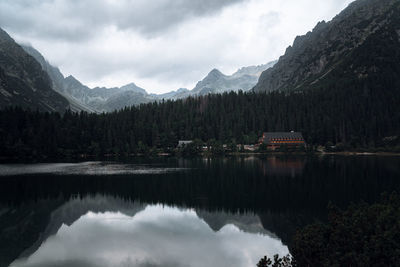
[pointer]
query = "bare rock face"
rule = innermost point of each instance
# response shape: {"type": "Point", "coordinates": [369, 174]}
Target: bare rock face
{"type": "Point", "coordinates": [23, 82]}
{"type": "Point", "coordinates": [316, 54]}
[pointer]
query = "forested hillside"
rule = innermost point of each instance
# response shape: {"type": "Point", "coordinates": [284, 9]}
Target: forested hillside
{"type": "Point", "coordinates": [356, 117]}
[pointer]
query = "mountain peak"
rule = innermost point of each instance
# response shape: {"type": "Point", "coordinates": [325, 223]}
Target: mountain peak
{"type": "Point", "coordinates": [134, 88]}
{"type": "Point", "coordinates": [182, 90]}
{"type": "Point", "coordinates": [132, 84]}
{"type": "Point", "coordinates": [217, 82]}
{"type": "Point", "coordinates": [215, 72]}
{"type": "Point", "coordinates": [72, 83]}
{"type": "Point", "coordinates": [72, 79]}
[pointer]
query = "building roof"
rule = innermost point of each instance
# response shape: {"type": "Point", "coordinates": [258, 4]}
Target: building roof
{"type": "Point", "coordinates": [269, 136]}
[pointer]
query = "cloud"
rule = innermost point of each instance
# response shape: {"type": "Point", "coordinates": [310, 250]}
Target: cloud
{"type": "Point", "coordinates": [160, 45]}
{"type": "Point", "coordinates": [156, 236]}
{"type": "Point", "coordinates": [78, 20]}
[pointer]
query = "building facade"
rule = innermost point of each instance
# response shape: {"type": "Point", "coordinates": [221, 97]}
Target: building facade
{"type": "Point", "coordinates": [275, 140]}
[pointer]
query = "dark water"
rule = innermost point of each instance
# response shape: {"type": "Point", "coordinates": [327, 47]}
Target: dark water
{"type": "Point", "coordinates": [175, 212]}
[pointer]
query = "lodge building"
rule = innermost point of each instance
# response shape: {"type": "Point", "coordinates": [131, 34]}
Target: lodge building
{"type": "Point", "coordinates": [275, 140]}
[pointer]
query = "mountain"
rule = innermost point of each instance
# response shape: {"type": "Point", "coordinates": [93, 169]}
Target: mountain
{"type": "Point", "coordinates": [360, 45]}
{"type": "Point", "coordinates": [82, 98]}
{"type": "Point", "coordinates": [125, 99]}
{"type": "Point", "coordinates": [68, 87]}
{"type": "Point", "coordinates": [110, 99]}
{"type": "Point", "coordinates": [180, 93]}
{"type": "Point", "coordinates": [254, 71]}
{"type": "Point", "coordinates": [53, 72]}
{"type": "Point", "coordinates": [216, 82]}
{"type": "Point", "coordinates": [23, 82]}
{"type": "Point", "coordinates": [102, 99]}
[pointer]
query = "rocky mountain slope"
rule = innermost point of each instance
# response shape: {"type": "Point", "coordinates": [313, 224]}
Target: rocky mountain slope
{"type": "Point", "coordinates": [23, 82]}
{"type": "Point", "coordinates": [216, 82]}
{"type": "Point", "coordinates": [354, 46]}
{"type": "Point", "coordinates": [83, 98]}
{"type": "Point", "coordinates": [180, 93]}
{"type": "Point", "coordinates": [101, 99]}
{"type": "Point", "coordinates": [59, 83]}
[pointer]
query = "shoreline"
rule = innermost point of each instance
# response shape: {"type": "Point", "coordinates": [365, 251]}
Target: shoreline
{"type": "Point", "coordinates": [319, 153]}
{"type": "Point", "coordinates": [203, 155]}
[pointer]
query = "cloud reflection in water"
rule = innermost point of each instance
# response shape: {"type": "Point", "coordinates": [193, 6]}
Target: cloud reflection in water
{"type": "Point", "coordinates": [83, 168]}
{"type": "Point", "coordinates": [156, 236]}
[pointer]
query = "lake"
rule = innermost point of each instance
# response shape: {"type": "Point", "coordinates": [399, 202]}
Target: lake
{"type": "Point", "coordinates": [175, 212]}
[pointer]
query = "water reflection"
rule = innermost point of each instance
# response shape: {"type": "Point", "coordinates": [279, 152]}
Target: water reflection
{"type": "Point", "coordinates": [82, 168]}
{"type": "Point", "coordinates": [288, 167]}
{"type": "Point", "coordinates": [152, 235]}
{"type": "Point", "coordinates": [261, 198]}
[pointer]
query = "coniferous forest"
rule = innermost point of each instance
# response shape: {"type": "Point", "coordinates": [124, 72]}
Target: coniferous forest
{"type": "Point", "coordinates": [360, 117]}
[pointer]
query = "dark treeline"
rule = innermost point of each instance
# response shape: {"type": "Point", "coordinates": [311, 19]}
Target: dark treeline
{"type": "Point", "coordinates": [358, 118]}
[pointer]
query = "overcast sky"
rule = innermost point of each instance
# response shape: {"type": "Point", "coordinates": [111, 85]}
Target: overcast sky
{"type": "Point", "coordinates": [161, 45]}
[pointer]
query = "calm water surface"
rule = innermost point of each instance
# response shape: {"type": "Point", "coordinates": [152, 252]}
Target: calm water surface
{"type": "Point", "coordinates": [175, 212]}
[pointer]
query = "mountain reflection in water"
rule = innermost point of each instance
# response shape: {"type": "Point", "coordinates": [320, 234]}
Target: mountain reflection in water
{"type": "Point", "coordinates": [265, 199]}
{"type": "Point", "coordinates": [149, 235]}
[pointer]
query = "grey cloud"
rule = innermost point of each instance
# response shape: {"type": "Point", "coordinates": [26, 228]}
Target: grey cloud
{"type": "Point", "coordinates": [79, 20]}
{"type": "Point", "coordinates": [166, 13]}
